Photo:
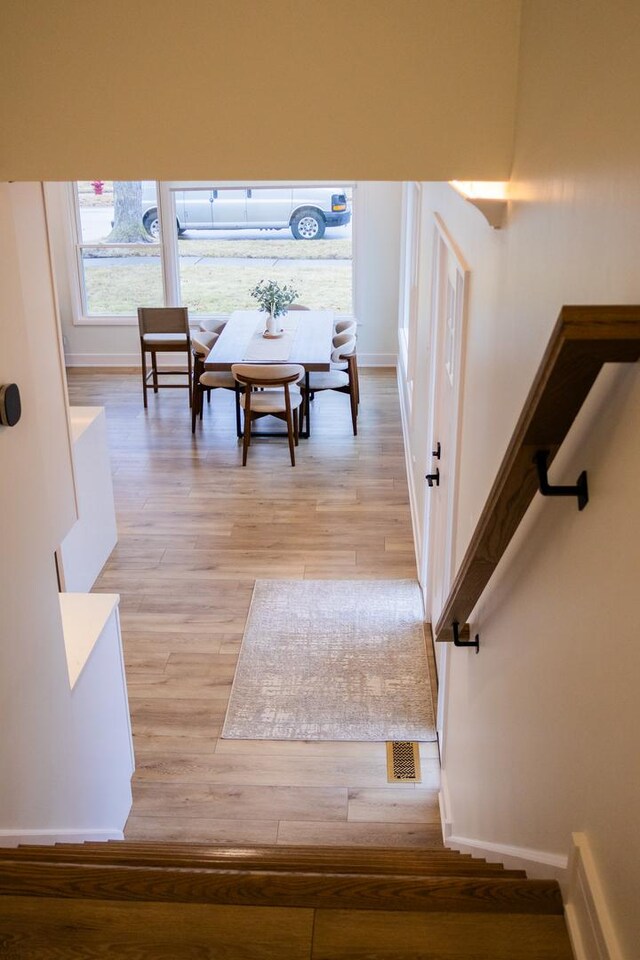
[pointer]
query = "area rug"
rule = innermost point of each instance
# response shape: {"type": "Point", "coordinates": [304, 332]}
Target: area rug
{"type": "Point", "coordinates": [332, 660]}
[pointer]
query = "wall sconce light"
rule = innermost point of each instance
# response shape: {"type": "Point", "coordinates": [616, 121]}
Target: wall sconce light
{"type": "Point", "coordinates": [490, 198]}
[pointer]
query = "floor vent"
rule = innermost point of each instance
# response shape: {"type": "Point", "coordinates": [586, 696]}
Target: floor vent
{"type": "Point", "coordinates": [403, 762]}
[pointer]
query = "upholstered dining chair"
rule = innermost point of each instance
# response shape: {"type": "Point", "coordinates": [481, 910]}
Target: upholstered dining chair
{"type": "Point", "coordinates": [348, 326]}
{"type": "Point", "coordinates": [281, 398]}
{"type": "Point", "coordinates": [213, 325]}
{"type": "Point", "coordinates": [297, 306]}
{"type": "Point", "coordinates": [342, 381]}
{"type": "Point", "coordinates": [163, 330]}
{"type": "Point", "coordinates": [204, 381]}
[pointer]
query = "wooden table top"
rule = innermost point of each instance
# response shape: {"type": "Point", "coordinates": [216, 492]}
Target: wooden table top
{"type": "Point", "coordinates": [311, 346]}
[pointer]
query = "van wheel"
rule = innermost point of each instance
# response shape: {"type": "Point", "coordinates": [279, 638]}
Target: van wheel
{"type": "Point", "coordinates": [308, 225]}
{"type": "Point", "coordinates": [151, 224]}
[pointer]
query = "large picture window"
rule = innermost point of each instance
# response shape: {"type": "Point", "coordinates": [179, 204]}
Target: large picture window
{"type": "Point", "coordinates": [225, 239]}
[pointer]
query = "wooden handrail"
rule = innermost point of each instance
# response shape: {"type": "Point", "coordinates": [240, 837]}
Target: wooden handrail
{"type": "Point", "coordinates": [583, 340]}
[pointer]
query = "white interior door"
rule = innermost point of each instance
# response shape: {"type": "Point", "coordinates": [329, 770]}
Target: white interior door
{"type": "Point", "coordinates": [441, 463]}
{"type": "Point", "coordinates": [448, 315]}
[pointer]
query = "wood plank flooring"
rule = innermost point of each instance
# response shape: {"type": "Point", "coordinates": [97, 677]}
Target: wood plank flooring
{"type": "Point", "coordinates": [195, 531]}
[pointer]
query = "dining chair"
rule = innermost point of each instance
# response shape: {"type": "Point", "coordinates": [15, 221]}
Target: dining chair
{"type": "Point", "coordinates": [342, 381]}
{"type": "Point", "coordinates": [204, 381]}
{"type": "Point", "coordinates": [213, 325]}
{"type": "Point", "coordinates": [297, 306]}
{"type": "Point", "coordinates": [163, 330]}
{"type": "Point", "coordinates": [348, 326]}
{"type": "Point", "coordinates": [281, 398]}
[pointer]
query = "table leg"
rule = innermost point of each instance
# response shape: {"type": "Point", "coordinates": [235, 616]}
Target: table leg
{"type": "Point", "coordinates": [306, 433]}
{"type": "Point", "coordinates": [237, 402]}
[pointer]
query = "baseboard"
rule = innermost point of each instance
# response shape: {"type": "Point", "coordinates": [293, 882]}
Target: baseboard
{"type": "Point", "coordinates": [415, 526]}
{"type": "Point", "coordinates": [587, 914]}
{"type": "Point", "coordinates": [445, 809]}
{"type": "Point", "coordinates": [539, 864]}
{"type": "Point", "coordinates": [377, 359]}
{"type": "Point", "coordinates": [11, 838]}
{"type": "Point", "coordinates": [110, 360]}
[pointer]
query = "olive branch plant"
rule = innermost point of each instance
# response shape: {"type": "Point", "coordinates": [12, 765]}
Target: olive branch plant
{"type": "Point", "coordinates": [273, 298]}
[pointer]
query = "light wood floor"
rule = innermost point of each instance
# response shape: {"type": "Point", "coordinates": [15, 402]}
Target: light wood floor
{"type": "Point", "coordinates": [195, 531]}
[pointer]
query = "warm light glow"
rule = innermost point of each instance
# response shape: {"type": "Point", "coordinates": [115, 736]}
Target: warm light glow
{"type": "Point", "coordinates": [482, 189]}
{"type": "Point", "coordinates": [490, 197]}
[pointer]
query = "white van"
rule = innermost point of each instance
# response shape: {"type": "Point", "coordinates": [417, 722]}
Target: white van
{"type": "Point", "coordinates": [307, 211]}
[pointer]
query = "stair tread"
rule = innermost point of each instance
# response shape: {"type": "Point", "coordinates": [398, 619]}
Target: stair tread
{"type": "Point", "coordinates": [344, 860]}
{"type": "Point", "coordinates": [280, 888]}
{"type": "Point", "coordinates": [78, 929]}
{"type": "Point", "coordinates": [282, 852]}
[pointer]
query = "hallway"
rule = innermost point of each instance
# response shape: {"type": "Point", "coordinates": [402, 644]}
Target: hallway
{"type": "Point", "coordinates": [195, 531]}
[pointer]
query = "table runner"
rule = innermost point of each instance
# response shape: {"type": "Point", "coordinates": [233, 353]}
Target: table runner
{"type": "Point", "coordinates": [263, 350]}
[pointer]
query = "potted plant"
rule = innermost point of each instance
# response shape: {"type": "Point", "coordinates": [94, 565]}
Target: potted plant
{"type": "Point", "coordinates": [274, 300]}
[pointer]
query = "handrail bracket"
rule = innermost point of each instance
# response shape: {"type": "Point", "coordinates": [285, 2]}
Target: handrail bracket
{"type": "Point", "coordinates": [457, 642]}
{"type": "Point", "coordinates": [580, 490]}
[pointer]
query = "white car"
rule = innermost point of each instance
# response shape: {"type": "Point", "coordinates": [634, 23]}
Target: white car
{"type": "Point", "coordinates": [307, 211]}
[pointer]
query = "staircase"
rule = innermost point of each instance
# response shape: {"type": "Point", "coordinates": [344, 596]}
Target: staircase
{"type": "Point", "coordinates": [169, 901]}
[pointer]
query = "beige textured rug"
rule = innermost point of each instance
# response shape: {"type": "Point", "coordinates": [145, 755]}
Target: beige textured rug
{"type": "Point", "coordinates": [332, 660]}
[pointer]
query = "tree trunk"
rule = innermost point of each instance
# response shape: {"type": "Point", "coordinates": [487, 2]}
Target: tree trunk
{"type": "Point", "coordinates": [127, 213]}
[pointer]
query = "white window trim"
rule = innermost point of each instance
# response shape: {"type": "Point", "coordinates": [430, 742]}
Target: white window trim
{"type": "Point", "coordinates": [410, 283]}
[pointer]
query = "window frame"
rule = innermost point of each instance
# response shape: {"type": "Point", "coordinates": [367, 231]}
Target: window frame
{"type": "Point", "coordinates": [410, 271]}
{"type": "Point", "coordinates": [81, 316]}
{"type": "Point", "coordinates": [168, 249]}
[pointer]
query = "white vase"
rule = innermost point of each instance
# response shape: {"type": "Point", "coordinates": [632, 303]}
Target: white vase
{"type": "Point", "coordinates": [272, 324]}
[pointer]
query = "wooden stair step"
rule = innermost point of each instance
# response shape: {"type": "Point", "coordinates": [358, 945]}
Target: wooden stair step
{"type": "Point", "coordinates": [366, 934]}
{"type": "Point", "coordinates": [279, 853]}
{"type": "Point", "coordinates": [279, 888]}
{"type": "Point", "coordinates": [447, 869]}
{"type": "Point", "coordinates": [287, 851]}
{"type": "Point", "coordinates": [353, 860]}
{"type": "Point", "coordinates": [58, 929]}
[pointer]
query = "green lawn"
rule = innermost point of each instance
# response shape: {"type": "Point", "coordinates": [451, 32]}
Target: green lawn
{"type": "Point", "coordinates": [274, 249]}
{"type": "Point", "coordinates": [213, 287]}
{"type": "Point", "coordinates": [284, 247]}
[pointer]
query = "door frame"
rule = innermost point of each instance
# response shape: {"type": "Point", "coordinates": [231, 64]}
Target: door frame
{"type": "Point", "coordinates": [443, 242]}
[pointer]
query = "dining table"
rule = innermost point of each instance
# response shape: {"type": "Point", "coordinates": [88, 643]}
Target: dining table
{"type": "Point", "coordinates": [306, 340]}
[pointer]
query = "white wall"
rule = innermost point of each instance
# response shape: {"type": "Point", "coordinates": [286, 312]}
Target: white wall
{"type": "Point", "coordinates": [33, 669]}
{"type": "Point", "coordinates": [542, 725]}
{"type": "Point", "coordinates": [376, 249]}
{"type": "Point", "coordinates": [376, 267]}
{"type": "Point", "coordinates": [49, 776]}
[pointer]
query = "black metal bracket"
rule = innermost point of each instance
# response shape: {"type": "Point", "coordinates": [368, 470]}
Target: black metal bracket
{"type": "Point", "coordinates": [580, 491]}
{"type": "Point", "coordinates": [433, 479]}
{"type": "Point", "coordinates": [457, 642]}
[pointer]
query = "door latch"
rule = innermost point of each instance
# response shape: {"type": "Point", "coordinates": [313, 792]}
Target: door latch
{"type": "Point", "coordinates": [437, 453]}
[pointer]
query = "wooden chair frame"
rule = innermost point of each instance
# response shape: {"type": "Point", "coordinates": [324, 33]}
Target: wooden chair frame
{"type": "Point", "coordinates": [199, 390]}
{"type": "Point", "coordinates": [289, 415]}
{"type": "Point", "coordinates": [176, 320]}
